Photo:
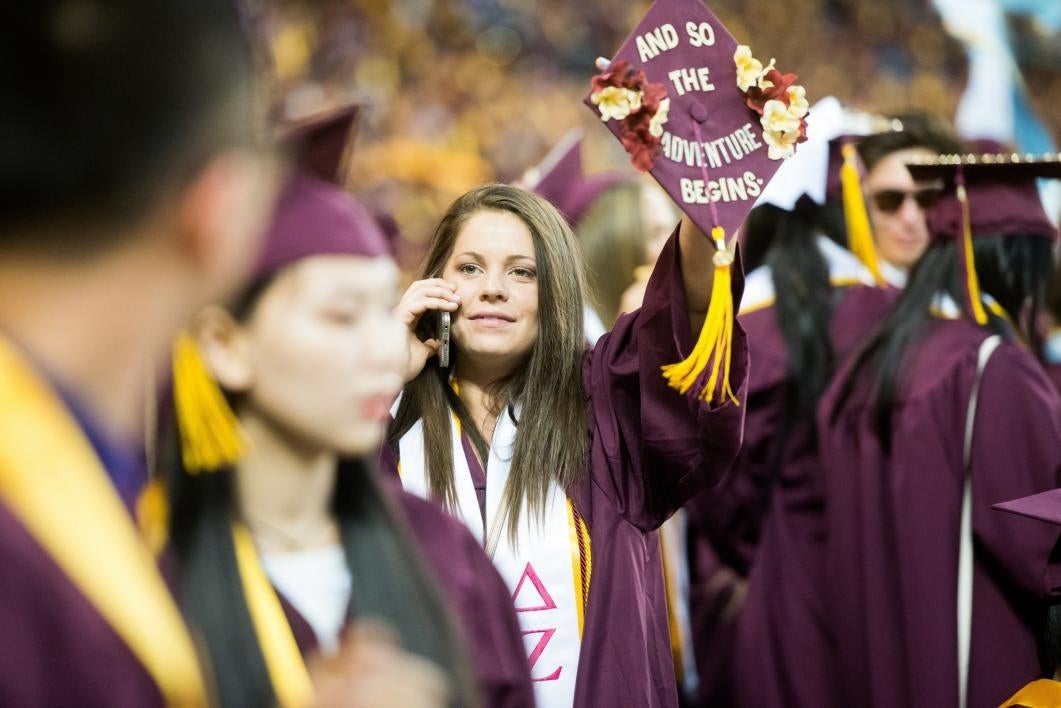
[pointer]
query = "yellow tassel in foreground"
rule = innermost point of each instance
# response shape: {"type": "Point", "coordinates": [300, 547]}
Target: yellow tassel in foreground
{"type": "Point", "coordinates": [210, 434]}
{"type": "Point", "coordinates": [859, 234]}
{"type": "Point", "coordinates": [714, 346]}
{"type": "Point", "coordinates": [972, 281]}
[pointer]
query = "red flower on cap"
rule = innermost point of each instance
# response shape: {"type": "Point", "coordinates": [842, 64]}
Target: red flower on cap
{"type": "Point", "coordinates": [772, 86]}
{"type": "Point", "coordinates": [620, 93]}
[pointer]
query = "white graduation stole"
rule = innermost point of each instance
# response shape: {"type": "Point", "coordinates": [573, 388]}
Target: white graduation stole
{"type": "Point", "coordinates": [547, 571]}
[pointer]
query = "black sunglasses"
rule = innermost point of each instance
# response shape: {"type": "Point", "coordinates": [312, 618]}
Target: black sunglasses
{"type": "Point", "coordinates": [890, 200]}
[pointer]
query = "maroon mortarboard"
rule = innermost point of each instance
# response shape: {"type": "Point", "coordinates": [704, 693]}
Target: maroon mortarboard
{"type": "Point", "coordinates": [561, 179]}
{"type": "Point", "coordinates": [1045, 506]}
{"type": "Point", "coordinates": [315, 215]}
{"type": "Point", "coordinates": [992, 194]}
{"type": "Point", "coordinates": [711, 123]}
{"type": "Point", "coordinates": [323, 140]}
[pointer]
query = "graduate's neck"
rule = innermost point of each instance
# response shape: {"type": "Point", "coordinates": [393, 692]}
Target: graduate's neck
{"type": "Point", "coordinates": [284, 489]}
{"type": "Point", "coordinates": [96, 326]}
{"type": "Point", "coordinates": [478, 387]}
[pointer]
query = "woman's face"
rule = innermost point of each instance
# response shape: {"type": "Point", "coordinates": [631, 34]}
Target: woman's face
{"type": "Point", "coordinates": [320, 352]}
{"type": "Point", "coordinates": [496, 273]}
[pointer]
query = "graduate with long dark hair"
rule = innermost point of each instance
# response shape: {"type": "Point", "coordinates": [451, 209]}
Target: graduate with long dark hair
{"type": "Point", "coordinates": [808, 303]}
{"type": "Point", "coordinates": [282, 535]}
{"type": "Point", "coordinates": [941, 414]}
{"type": "Point", "coordinates": [131, 191]}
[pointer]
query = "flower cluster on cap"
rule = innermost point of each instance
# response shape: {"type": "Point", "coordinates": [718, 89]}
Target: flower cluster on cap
{"type": "Point", "coordinates": [622, 94]}
{"type": "Point", "coordinates": [781, 104]}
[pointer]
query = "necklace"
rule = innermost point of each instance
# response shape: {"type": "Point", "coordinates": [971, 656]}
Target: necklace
{"type": "Point", "coordinates": [277, 538]}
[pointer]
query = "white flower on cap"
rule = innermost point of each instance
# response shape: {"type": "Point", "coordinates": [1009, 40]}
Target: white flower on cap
{"type": "Point", "coordinates": [616, 102]}
{"type": "Point", "coordinates": [655, 126]}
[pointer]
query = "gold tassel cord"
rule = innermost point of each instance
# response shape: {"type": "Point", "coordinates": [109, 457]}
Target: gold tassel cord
{"type": "Point", "coordinates": [859, 233]}
{"type": "Point", "coordinates": [972, 282]}
{"type": "Point", "coordinates": [714, 346]}
{"type": "Point", "coordinates": [210, 434]}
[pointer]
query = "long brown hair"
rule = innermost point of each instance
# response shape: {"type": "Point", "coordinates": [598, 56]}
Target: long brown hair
{"type": "Point", "coordinates": [552, 437]}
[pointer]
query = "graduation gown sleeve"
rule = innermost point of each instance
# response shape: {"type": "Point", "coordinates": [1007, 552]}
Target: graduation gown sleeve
{"type": "Point", "coordinates": [653, 448]}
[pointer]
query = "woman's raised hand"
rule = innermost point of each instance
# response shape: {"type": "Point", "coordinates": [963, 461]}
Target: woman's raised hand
{"type": "Point", "coordinates": [421, 296]}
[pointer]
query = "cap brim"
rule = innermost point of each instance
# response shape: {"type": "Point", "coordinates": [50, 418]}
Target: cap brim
{"type": "Point", "coordinates": [995, 166]}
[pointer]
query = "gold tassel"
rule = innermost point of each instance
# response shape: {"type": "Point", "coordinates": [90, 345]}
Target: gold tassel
{"type": "Point", "coordinates": [859, 234]}
{"type": "Point", "coordinates": [714, 345]}
{"type": "Point", "coordinates": [972, 281]}
{"type": "Point", "coordinates": [210, 434]}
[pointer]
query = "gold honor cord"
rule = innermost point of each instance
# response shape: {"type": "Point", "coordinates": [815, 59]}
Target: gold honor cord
{"type": "Point", "coordinates": [283, 660]}
{"type": "Point", "coordinates": [53, 483]}
{"type": "Point", "coordinates": [581, 561]}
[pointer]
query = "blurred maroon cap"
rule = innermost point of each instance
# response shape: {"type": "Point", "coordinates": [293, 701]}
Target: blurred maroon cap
{"type": "Point", "coordinates": [315, 215]}
{"type": "Point", "coordinates": [1002, 194]}
{"type": "Point", "coordinates": [561, 179]}
{"type": "Point", "coordinates": [1045, 506]}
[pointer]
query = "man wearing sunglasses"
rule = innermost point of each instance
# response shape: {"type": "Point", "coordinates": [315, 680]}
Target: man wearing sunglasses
{"type": "Point", "coordinates": [896, 203]}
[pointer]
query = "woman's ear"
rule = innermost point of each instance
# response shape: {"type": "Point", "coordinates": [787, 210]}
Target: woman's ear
{"type": "Point", "coordinates": [226, 348]}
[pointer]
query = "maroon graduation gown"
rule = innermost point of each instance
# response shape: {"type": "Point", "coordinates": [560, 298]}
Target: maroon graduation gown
{"type": "Point", "coordinates": [893, 524]}
{"type": "Point", "coordinates": [764, 524]}
{"type": "Point", "coordinates": [55, 648]}
{"type": "Point", "coordinates": [476, 594]}
{"type": "Point", "coordinates": [651, 449]}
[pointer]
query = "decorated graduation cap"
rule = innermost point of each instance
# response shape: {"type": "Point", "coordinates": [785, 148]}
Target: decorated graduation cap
{"type": "Point", "coordinates": [561, 179]}
{"type": "Point", "coordinates": [827, 168]}
{"type": "Point", "coordinates": [313, 216]}
{"type": "Point", "coordinates": [711, 124]}
{"type": "Point", "coordinates": [991, 194]}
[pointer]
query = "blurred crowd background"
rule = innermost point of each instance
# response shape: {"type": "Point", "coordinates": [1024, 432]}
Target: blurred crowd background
{"type": "Point", "coordinates": [463, 91]}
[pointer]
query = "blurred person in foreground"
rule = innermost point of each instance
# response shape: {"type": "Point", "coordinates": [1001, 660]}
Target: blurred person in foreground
{"type": "Point", "coordinates": [130, 191]}
{"type": "Point", "coordinates": [283, 536]}
{"type": "Point", "coordinates": [896, 202]}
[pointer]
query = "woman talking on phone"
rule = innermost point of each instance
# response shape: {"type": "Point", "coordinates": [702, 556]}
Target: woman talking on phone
{"type": "Point", "coordinates": [563, 462]}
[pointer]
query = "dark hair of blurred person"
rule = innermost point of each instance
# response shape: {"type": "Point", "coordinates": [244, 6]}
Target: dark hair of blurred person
{"type": "Point", "coordinates": [1051, 347]}
{"type": "Point", "coordinates": [895, 201]}
{"type": "Point", "coordinates": [1012, 269]}
{"type": "Point", "coordinates": [130, 191]}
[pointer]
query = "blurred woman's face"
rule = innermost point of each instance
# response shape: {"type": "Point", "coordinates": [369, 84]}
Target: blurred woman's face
{"type": "Point", "coordinates": [321, 351]}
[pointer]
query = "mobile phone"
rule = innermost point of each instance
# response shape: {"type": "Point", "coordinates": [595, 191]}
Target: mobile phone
{"type": "Point", "coordinates": [443, 338]}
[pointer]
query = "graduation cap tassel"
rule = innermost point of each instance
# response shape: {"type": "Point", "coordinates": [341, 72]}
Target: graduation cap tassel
{"type": "Point", "coordinates": [859, 234]}
{"type": "Point", "coordinates": [966, 259]}
{"type": "Point", "coordinates": [210, 434]}
{"type": "Point", "coordinates": [714, 346]}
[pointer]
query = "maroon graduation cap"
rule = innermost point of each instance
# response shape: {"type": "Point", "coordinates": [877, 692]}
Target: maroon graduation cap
{"type": "Point", "coordinates": [711, 123]}
{"type": "Point", "coordinates": [315, 215]}
{"type": "Point", "coordinates": [1045, 506]}
{"type": "Point", "coordinates": [992, 194]}
{"type": "Point", "coordinates": [561, 179]}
